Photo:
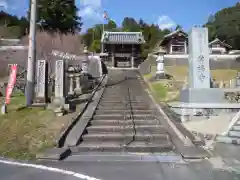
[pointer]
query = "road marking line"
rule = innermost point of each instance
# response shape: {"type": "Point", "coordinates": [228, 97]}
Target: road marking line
{"type": "Point", "coordinates": [51, 169]}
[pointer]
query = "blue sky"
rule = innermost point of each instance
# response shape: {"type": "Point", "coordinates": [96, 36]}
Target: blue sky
{"type": "Point", "coordinates": [165, 13]}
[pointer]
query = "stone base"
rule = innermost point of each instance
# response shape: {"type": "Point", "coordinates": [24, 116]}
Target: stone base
{"type": "Point", "coordinates": [160, 76]}
{"type": "Point", "coordinates": [210, 95]}
{"type": "Point", "coordinates": [78, 91]}
{"type": "Point", "coordinates": [40, 100]}
{"type": "Point", "coordinates": [203, 109]}
{"type": "Point", "coordinates": [58, 101]}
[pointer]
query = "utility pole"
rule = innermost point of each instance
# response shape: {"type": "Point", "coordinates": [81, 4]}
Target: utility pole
{"type": "Point", "coordinates": [30, 86]}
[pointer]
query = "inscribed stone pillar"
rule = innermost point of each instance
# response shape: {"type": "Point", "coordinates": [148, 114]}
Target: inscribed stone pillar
{"type": "Point", "coordinates": [59, 82]}
{"type": "Point", "coordinates": [199, 90]}
{"type": "Point", "coordinates": [199, 70]}
{"type": "Point", "coordinates": [42, 82]}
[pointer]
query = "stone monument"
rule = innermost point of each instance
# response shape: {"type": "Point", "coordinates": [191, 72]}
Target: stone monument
{"type": "Point", "coordinates": [42, 82]}
{"type": "Point", "coordinates": [60, 90]}
{"type": "Point", "coordinates": [199, 90]}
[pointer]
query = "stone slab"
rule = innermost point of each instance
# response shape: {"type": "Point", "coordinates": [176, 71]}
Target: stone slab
{"type": "Point", "coordinates": [54, 154]}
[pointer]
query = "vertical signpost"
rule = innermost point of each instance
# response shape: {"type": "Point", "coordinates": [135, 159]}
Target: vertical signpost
{"type": "Point", "coordinates": [9, 89]}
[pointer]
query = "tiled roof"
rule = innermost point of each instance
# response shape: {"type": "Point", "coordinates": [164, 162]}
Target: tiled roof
{"type": "Point", "coordinates": [122, 38]}
{"type": "Point", "coordinates": [221, 42]}
{"type": "Point", "coordinates": [176, 32]}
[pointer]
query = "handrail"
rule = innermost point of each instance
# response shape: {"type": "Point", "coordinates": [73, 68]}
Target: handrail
{"type": "Point", "coordinates": [232, 123]}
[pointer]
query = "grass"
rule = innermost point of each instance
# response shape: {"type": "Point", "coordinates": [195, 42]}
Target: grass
{"type": "Point", "coordinates": [26, 132]}
{"type": "Point", "coordinates": [159, 90]}
{"type": "Point", "coordinates": [180, 72]}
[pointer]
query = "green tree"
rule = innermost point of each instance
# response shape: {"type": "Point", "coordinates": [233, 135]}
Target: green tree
{"type": "Point", "coordinates": [130, 25]}
{"type": "Point", "coordinates": [12, 26]}
{"type": "Point", "coordinates": [178, 27]}
{"type": "Point", "coordinates": [95, 46]}
{"type": "Point", "coordinates": [58, 16]}
{"type": "Point", "coordinates": [111, 25]}
{"type": "Point", "coordinates": [225, 24]}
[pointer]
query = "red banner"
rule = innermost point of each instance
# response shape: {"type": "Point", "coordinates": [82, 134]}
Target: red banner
{"type": "Point", "coordinates": [11, 83]}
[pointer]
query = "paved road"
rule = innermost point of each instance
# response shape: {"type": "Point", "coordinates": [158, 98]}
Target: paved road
{"type": "Point", "coordinates": [204, 170]}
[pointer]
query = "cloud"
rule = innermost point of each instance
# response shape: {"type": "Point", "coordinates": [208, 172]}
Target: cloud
{"type": "Point", "coordinates": [90, 13]}
{"type": "Point", "coordinates": [165, 22]}
{"type": "Point", "coordinates": [96, 3]}
{"type": "Point", "coordinates": [3, 4]}
{"type": "Point", "coordinates": [91, 9]}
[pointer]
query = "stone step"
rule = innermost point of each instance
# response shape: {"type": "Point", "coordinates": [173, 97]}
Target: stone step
{"type": "Point", "coordinates": [234, 134]}
{"type": "Point", "coordinates": [120, 103]}
{"type": "Point", "coordinates": [124, 117]}
{"type": "Point", "coordinates": [236, 128]}
{"type": "Point", "coordinates": [136, 146]}
{"type": "Point", "coordinates": [126, 122]}
{"type": "Point", "coordinates": [123, 101]}
{"type": "Point", "coordinates": [124, 111]}
{"type": "Point", "coordinates": [121, 107]}
{"type": "Point", "coordinates": [133, 106]}
{"type": "Point", "coordinates": [116, 136]}
{"type": "Point", "coordinates": [228, 140]}
{"type": "Point", "coordinates": [127, 128]}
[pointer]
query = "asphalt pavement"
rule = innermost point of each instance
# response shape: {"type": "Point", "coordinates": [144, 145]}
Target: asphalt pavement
{"type": "Point", "coordinates": [204, 170]}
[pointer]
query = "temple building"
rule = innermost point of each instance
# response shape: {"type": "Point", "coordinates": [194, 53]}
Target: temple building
{"type": "Point", "coordinates": [123, 49]}
{"type": "Point", "coordinates": [219, 47]}
{"type": "Point", "coordinates": [177, 43]}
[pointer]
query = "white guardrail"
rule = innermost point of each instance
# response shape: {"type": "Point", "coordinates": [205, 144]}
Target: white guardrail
{"type": "Point", "coordinates": [212, 56]}
{"type": "Point", "coordinates": [232, 123]}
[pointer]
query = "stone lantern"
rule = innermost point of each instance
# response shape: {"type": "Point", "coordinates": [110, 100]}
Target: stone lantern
{"type": "Point", "coordinates": [85, 62]}
{"type": "Point", "coordinates": [160, 74]}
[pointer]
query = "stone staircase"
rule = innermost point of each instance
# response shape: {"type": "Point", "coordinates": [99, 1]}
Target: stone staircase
{"type": "Point", "coordinates": [232, 136]}
{"type": "Point", "coordinates": [125, 121]}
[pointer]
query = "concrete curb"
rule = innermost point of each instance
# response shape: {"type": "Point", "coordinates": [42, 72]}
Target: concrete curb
{"type": "Point", "coordinates": [126, 157]}
{"type": "Point", "coordinates": [186, 141]}
{"type": "Point", "coordinates": [74, 136]}
{"type": "Point", "coordinates": [54, 154]}
{"type": "Point", "coordinates": [62, 138]}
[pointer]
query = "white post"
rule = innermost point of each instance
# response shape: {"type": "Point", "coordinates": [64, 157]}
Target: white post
{"type": "Point", "coordinates": [132, 61]}
{"type": "Point", "coordinates": [170, 49]}
{"type": "Point", "coordinates": [31, 55]}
